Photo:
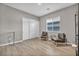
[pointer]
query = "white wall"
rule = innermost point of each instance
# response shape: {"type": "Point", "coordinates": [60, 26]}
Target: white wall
{"type": "Point", "coordinates": [11, 21]}
{"type": "Point", "coordinates": [67, 23]}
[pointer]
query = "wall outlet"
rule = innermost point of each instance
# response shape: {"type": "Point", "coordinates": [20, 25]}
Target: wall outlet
{"type": "Point", "coordinates": [74, 45]}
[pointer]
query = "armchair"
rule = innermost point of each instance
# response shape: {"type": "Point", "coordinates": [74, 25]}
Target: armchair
{"type": "Point", "coordinates": [44, 36]}
{"type": "Point", "coordinates": [61, 39]}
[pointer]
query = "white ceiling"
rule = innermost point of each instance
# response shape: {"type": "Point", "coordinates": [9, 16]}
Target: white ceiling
{"type": "Point", "coordinates": [39, 10]}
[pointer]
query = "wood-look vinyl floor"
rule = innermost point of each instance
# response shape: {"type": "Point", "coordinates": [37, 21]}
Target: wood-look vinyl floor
{"type": "Point", "coordinates": [36, 47]}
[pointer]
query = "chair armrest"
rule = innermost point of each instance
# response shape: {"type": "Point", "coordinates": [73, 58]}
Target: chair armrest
{"type": "Point", "coordinates": [59, 40]}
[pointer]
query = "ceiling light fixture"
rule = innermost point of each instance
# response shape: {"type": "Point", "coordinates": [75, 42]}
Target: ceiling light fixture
{"type": "Point", "coordinates": [39, 4]}
{"type": "Point", "coordinates": [48, 9]}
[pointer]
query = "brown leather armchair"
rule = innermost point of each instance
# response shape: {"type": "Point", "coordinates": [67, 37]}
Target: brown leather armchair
{"type": "Point", "coordinates": [61, 38]}
{"type": "Point", "coordinates": [44, 36]}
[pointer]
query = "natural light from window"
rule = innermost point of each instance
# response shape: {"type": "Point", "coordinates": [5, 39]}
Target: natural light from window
{"type": "Point", "coordinates": [53, 24]}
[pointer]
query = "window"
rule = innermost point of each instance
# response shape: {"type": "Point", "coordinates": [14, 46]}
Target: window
{"type": "Point", "coordinates": [53, 25]}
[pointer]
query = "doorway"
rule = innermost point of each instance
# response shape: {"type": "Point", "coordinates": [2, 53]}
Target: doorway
{"type": "Point", "coordinates": [30, 28]}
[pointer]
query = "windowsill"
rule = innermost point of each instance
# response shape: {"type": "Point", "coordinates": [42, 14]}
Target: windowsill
{"type": "Point", "coordinates": [53, 32]}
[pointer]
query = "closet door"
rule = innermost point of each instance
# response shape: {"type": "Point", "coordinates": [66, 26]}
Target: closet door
{"type": "Point", "coordinates": [26, 28]}
{"type": "Point", "coordinates": [30, 28]}
{"type": "Point", "coordinates": [34, 29]}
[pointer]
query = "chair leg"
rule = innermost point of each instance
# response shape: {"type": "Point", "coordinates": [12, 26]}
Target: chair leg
{"type": "Point", "coordinates": [56, 44]}
{"type": "Point", "coordinates": [66, 43]}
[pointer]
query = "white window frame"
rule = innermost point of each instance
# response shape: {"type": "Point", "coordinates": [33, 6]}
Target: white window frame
{"type": "Point", "coordinates": [52, 19]}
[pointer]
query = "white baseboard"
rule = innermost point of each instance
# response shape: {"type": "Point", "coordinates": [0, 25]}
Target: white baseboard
{"type": "Point", "coordinates": [11, 43]}
{"type": "Point", "coordinates": [74, 45]}
{"type": "Point", "coordinates": [14, 42]}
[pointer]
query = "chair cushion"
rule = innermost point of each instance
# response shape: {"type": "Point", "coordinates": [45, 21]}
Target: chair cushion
{"type": "Point", "coordinates": [44, 33]}
{"type": "Point", "coordinates": [54, 37]}
{"type": "Point", "coordinates": [61, 35]}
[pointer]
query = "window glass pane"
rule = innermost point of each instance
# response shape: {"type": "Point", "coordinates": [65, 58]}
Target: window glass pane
{"type": "Point", "coordinates": [49, 28]}
{"type": "Point", "coordinates": [50, 23]}
{"type": "Point", "coordinates": [56, 28]}
{"type": "Point", "coordinates": [53, 24]}
{"type": "Point", "coordinates": [56, 22]}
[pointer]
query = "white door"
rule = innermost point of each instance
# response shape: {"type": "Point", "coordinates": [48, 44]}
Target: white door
{"type": "Point", "coordinates": [25, 30]}
{"type": "Point", "coordinates": [34, 28]}
{"type": "Point", "coordinates": [30, 28]}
